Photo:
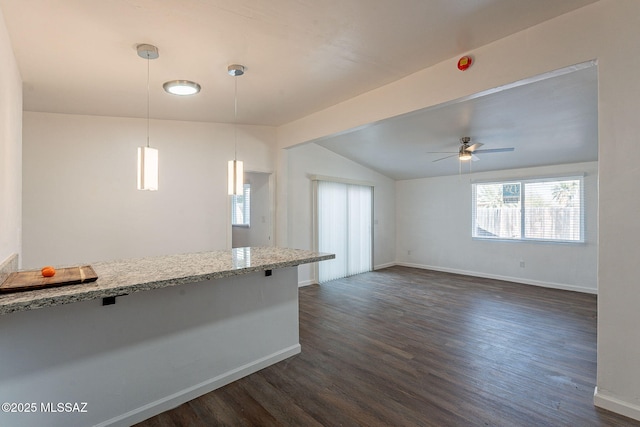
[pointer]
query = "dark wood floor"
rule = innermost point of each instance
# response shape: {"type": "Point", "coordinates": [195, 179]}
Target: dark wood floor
{"type": "Point", "coordinates": [410, 347]}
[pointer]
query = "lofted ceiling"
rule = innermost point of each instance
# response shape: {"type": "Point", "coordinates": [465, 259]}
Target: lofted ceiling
{"type": "Point", "coordinates": [550, 119]}
{"type": "Point", "coordinates": [79, 57]}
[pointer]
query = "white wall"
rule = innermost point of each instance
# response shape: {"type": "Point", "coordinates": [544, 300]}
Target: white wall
{"type": "Point", "coordinates": [80, 198]}
{"type": "Point", "coordinates": [619, 228]}
{"type": "Point", "coordinates": [311, 159]}
{"type": "Point", "coordinates": [434, 224]}
{"type": "Point", "coordinates": [606, 31]}
{"type": "Point", "coordinates": [10, 149]}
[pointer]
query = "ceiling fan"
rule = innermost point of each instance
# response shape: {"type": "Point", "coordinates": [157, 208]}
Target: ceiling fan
{"type": "Point", "coordinates": [468, 152]}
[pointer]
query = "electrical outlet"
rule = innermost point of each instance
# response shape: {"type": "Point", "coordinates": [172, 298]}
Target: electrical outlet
{"type": "Point", "coordinates": [409, 252]}
{"type": "Point", "coordinates": [522, 264]}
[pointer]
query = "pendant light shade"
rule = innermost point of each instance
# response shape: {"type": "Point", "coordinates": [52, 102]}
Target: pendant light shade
{"type": "Point", "coordinates": [147, 156]}
{"type": "Point", "coordinates": [147, 168]}
{"type": "Point", "coordinates": [235, 177]}
{"type": "Point", "coordinates": [235, 168]}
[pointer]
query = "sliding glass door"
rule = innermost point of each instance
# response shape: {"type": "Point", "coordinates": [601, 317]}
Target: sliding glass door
{"type": "Point", "coordinates": [344, 227]}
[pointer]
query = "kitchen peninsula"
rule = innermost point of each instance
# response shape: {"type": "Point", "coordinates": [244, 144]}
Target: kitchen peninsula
{"type": "Point", "coordinates": [181, 326]}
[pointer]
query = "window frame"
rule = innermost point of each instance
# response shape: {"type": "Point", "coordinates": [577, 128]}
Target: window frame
{"type": "Point", "coordinates": [523, 217]}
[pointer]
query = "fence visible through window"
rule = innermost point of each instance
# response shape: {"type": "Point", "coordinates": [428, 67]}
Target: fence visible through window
{"type": "Point", "coordinates": [537, 209]}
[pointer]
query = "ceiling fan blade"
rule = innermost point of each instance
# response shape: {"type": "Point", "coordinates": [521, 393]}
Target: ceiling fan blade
{"type": "Point", "coordinates": [440, 152]}
{"type": "Point", "coordinates": [495, 150]}
{"type": "Point", "coordinates": [474, 158]}
{"type": "Point", "coordinates": [475, 146]}
{"type": "Point", "coordinates": [437, 160]}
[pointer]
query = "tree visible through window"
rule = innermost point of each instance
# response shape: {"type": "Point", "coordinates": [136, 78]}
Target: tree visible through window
{"type": "Point", "coordinates": [540, 209]}
{"type": "Point", "coordinates": [241, 207]}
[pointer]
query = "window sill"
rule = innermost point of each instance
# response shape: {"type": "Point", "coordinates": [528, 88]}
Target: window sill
{"type": "Point", "coordinates": [536, 241]}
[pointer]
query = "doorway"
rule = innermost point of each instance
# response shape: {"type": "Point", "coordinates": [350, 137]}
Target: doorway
{"type": "Point", "coordinates": [344, 213]}
{"type": "Point", "coordinates": [251, 213]}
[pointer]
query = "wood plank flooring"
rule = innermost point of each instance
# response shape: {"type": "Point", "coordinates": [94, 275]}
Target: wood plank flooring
{"type": "Point", "coordinates": [410, 347]}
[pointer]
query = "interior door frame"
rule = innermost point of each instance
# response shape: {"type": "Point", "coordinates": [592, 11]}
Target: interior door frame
{"type": "Point", "coordinates": [272, 209]}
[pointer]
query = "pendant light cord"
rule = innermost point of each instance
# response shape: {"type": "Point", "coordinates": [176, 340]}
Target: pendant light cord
{"type": "Point", "coordinates": [235, 119]}
{"type": "Point", "coordinates": [148, 72]}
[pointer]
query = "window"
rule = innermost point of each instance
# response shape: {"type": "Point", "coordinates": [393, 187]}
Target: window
{"type": "Point", "coordinates": [241, 208]}
{"type": "Point", "coordinates": [549, 209]}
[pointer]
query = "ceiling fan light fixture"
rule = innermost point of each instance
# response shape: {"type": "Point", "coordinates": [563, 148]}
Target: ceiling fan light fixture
{"type": "Point", "coordinates": [464, 155]}
{"type": "Point", "coordinates": [181, 87]}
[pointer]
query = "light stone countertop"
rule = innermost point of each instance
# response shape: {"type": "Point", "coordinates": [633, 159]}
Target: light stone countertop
{"type": "Point", "coordinates": [134, 275]}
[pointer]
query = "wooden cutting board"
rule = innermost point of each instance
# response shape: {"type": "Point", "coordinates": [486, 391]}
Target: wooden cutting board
{"type": "Point", "coordinates": [28, 280]}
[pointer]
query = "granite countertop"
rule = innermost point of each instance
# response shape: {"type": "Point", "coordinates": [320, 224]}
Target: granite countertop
{"type": "Point", "coordinates": [142, 274]}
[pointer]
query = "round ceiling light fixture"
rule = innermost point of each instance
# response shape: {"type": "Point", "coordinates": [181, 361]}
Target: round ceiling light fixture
{"type": "Point", "coordinates": [181, 87]}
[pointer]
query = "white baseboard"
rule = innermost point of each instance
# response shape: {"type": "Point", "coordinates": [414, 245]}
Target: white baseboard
{"type": "Point", "coordinates": [315, 282]}
{"type": "Point", "coordinates": [618, 406]}
{"type": "Point", "coordinates": [307, 283]}
{"type": "Point", "coordinates": [551, 285]}
{"type": "Point", "coordinates": [505, 278]}
{"type": "Point", "coordinates": [381, 266]}
{"type": "Point", "coordinates": [169, 402]}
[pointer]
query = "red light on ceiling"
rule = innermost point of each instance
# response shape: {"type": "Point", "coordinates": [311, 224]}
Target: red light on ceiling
{"type": "Point", "coordinates": [464, 63]}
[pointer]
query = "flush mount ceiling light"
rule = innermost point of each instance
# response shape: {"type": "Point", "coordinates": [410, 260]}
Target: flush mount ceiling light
{"type": "Point", "coordinates": [147, 156]}
{"type": "Point", "coordinates": [181, 87]}
{"type": "Point", "coordinates": [235, 167]}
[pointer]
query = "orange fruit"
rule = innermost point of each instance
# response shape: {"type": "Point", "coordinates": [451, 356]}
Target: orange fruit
{"type": "Point", "coordinates": [48, 271]}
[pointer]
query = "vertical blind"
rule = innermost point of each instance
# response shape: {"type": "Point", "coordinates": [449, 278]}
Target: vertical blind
{"type": "Point", "coordinates": [344, 228]}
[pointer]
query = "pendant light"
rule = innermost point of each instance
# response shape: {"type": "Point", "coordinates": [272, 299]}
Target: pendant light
{"type": "Point", "coordinates": [235, 166]}
{"type": "Point", "coordinates": [147, 156]}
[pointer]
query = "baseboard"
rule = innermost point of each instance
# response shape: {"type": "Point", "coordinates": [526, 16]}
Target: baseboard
{"type": "Point", "coordinates": [315, 282]}
{"type": "Point", "coordinates": [169, 402]}
{"type": "Point", "coordinates": [601, 400]}
{"type": "Point", "coordinates": [505, 278]}
{"type": "Point", "coordinates": [381, 266]}
{"type": "Point", "coordinates": [307, 283]}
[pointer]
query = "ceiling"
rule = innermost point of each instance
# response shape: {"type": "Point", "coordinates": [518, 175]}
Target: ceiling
{"type": "Point", "coordinates": [79, 57]}
{"type": "Point", "coordinates": [551, 119]}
